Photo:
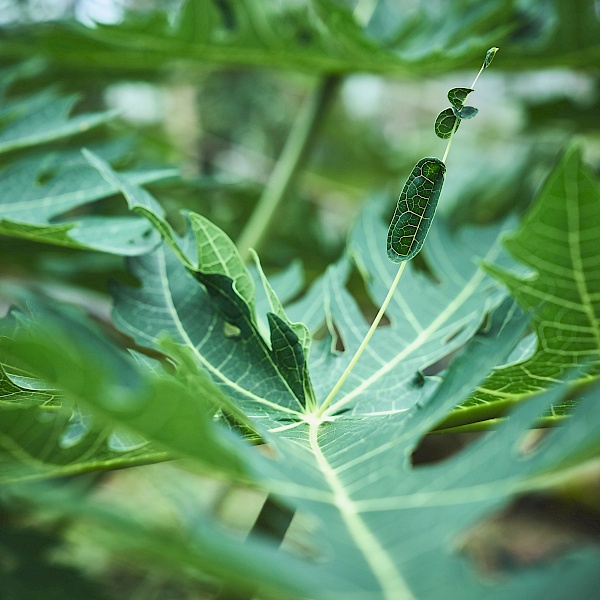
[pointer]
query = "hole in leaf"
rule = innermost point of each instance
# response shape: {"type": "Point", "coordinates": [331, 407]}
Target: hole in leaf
{"type": "Point", "coordinates": [454, 335]}
{"type": "Point", "coordinates": [441, 364]}
{"type": "Point", "coordinates": [436, 448]}
{"type": "Point", "coordinates": [533, 529]}
{"type": "Point", "coordinates": [231, 331]}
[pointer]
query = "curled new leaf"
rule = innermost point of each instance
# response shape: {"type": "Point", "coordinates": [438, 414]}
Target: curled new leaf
{"type": "Point", "coordinates": [457, 96]}
{"type": "Point", "coordinates": [415, 209]}
{"type": "Point", "coordinates": [489, 57]}
{"type": "Point", "coordinates": [446, 123]}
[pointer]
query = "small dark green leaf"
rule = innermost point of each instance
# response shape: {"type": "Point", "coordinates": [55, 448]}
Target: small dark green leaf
{"type": "Point", "coordinates": [489, 57]}
{"type": "Point", "coordinates": [466, 112]}
{"type": "Point", "coordinates": [415, 209]}
{"type": "Point", "coordinates": [446, 123]}
{"type": "Point", "coordinates": [457, 96]}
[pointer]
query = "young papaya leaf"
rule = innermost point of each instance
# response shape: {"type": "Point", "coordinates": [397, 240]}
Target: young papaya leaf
{"type": "Point", "coordinates": [466, 112]}
{"type": "Point", "coordinates": [445, 123]}
{"type": "Point", "coordinates": [557, 241]}
{"type": "Point", "coordinates": [457, 96]}
{"type": "Point", "coordinates": [415, 210]}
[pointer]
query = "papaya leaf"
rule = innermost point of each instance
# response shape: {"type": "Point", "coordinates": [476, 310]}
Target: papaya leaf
{"type": "Point", "coordinates": [557, 241]}
{"type": "Point", "coordinates": [44, 118]}
{"type": "Point", "coordinates": [88, 370]}
{"type": "Point", "coordinates": [38, 191]}
{"type": "Point", "coordinates": [320, 36]}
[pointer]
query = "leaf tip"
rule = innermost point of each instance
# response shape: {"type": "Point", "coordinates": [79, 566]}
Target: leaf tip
{"type": "Point", "coordinates": [489, 57]}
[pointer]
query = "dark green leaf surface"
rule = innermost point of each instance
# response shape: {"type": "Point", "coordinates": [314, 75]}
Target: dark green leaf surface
{"type": "Point", "coordinates": [415, 210]}
{"type": "Point", "coordinates": [457, 96]}
{"type": "Point", "coordinates": [445, 123]}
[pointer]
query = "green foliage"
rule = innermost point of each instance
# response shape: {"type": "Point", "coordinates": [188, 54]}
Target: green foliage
{"type": "Point", "coordinates": [346, 467]}
{"type": "Point", "coordinates": [230, 369]}
{"type": "Point", "coordinates": [40, 192]}
{"type": "Point", "coordinates": [321, 36]}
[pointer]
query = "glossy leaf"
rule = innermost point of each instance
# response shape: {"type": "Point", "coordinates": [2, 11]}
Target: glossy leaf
{"type": "Point", "coordinates": [445, 123]}
{"type": "Point", "coordinates": [457, 96]}
{"type": "Point", "coordinates": [415, 210]}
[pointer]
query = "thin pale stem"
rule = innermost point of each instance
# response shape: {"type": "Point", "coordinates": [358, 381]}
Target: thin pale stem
{"type": "Point", "coordinates": [478, 74]}
{"type": "Point", "coordinates": [450, 141]}
{"type": "Point", "coordinates": [295, 150]}
{"type": "Point", "coordinates": [364, 343]}
{"type": "Point", "coordinates": [458, 120]}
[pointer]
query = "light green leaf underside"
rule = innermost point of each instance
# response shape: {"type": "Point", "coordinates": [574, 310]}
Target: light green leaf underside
{"type": "Point", "coordinates": [34, 209]}
{"type": "Point", "coordinates": [198, 291]}
{"type": "Point", "coordinates": [382, 521]}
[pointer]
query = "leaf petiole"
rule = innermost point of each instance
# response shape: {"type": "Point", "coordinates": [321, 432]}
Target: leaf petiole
{"type": "Point", "coordinates": [363, 345]}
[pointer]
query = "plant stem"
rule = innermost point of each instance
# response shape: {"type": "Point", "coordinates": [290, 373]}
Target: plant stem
{"type": "Point", "coordinates": [294, 151]}
{"type": "Point", "coordinates": [364, 343]}
{"type": "Point", "coordinates": [450, 140]}
{"type": "Point", "coordinates": [458, 120]}
{"type": "Point", "coordinates": [477, 77]}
